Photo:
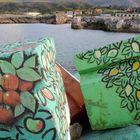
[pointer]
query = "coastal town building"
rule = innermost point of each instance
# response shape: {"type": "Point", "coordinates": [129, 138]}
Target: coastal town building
{"type": "Point", "coordinates": [70, 14]}
{"type": "Point", "coordinates": [98, 10]}
{"type": "Point", "coordinates": [78, 12]}
{"type": "Point", "coordinates": [105, 15]}
{"type": "Point", "coordinates": [33, 14]}
{"type": "Point", "coordinates": [88, 12]}
{"type": "Point", "coordinates": [59, 12]}
{"type": "Point", "coordinates": [130, 10]}
{"type": "Point", "coordinates": [131, 15]}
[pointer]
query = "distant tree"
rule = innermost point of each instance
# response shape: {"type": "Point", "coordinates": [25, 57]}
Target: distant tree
{"type": "Point", "coordinates": [73, 5]}
{"type": "Point", "coordinates": [9, 7]}
{"type": "Point", "coordinates": [87, 6]}
{"type": "Point", "coordinates": [42, 9]}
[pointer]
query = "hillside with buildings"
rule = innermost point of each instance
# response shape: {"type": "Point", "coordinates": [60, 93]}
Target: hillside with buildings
{"type": "Point", "coordinates": [134, 3]}
{"type": "Point", "coordinates": [86, 15]}
{"type": "Point", "coordinates": [50, 7]}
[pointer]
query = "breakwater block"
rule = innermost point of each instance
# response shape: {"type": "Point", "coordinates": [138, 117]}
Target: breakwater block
{"type": "Point", "coordinates": [33, 102]}
{"type": "Point", "coordinates": [127, 133]}
{"type": "Point", "coordinates": [110, 83]}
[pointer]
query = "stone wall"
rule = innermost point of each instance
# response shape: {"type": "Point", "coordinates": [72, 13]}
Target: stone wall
{"type": "Point", "coordinates": [50, 19]}
{"type": "Point", "coordinates": [116, 24]}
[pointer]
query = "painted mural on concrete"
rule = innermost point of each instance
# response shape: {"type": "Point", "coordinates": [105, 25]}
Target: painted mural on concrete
{"type": "Point", "coordinates": [111, 74]}
{"type": "Point", "coordinates": [32, 95]}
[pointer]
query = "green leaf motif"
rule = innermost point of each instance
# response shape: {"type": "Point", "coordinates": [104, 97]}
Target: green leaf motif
{"type": "Point", "coordinates": [138, 78]}
{"type": "Point", "coordinates": [131, 98]}
{"type": "Point", "coordinates": [98, 61]}
{"type": "Point", "coordinates": [130, 106]}
{"type": "Point", "coordinates": [109, 84]}
{"type": "Point", "coordinates": [119, 44]}
{"type": "Point", "coordinates": [137, 84]}
{"type": "Point", "coordinates": [114, 60]}
{"type": "Point", "coordinates": [137, 105]}
{"type": "Point", "coordinates": [80, 56]}
{"type": "Point", "coordinates": [19, 109]}
{"type": "Point", "coordinates": [138, 71]}
{"type": "Point", "coordinates": [129, 70]}
{"type": "Point", "coordinates": [124, 103]}
{"type": "Point", "coordinates": [126, 44]}
{"type": "Point", "coordinates": [102, 71]}
{"type": "Point", "coordinates": [117, 82]}
{"type": "Point", "coordinates": [17, 59]}
{"type": "Point", "coordinates": [137, 116]}
{"type": "Point", "coordinates": [122, 94]}
{"type": "Point", "coordinates": [129, 55]}
{"type": "Point", "coordinates": [28, 74]}
{"type": "Point", "coordinates": [105, 79]}
{"type": "Point", "coordinates": [106, 59]}
{"type": "Point", "coordinates": [133, 80]}
{"type": "Point", "coordinates": [7, 67]}
{"type": "Point", "coordinates": [30, 62]}
{"type": "Point", "coordinates": [119, 89]}
{"type": "Point", "coordinates": [28, 100]}
{"type": "Point", "coordinates": [88, 54]}
{"type": "Point", "coordinates": [126, 50]}
{"type": "Point", "coordinates": [91, 59]}
{"type": "Point", "coordinates": [104, 50]}
{"type": "Point", "coordinates": [124, 82]}
{"type": "Point", "coordinates": [123, 65]}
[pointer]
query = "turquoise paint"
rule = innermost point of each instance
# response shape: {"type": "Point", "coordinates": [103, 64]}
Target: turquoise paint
{"type": "Point", "coordinates": [44, 113]}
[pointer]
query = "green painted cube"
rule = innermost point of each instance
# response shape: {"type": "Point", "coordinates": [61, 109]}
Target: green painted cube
{"type": "Point", "coordinates": [110, 82]}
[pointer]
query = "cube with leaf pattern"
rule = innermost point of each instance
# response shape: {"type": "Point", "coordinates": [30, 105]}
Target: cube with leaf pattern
{"type": "Point", "coordinates": [32, 96]}
{"type": "Point", "coordinates": [110, 82]}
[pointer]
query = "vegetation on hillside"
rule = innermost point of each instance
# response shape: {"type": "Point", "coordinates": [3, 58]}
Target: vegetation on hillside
{"type": "Point", "coordinates": [41, 7]}
{"type": "Point", "coordinates": [49, 7]}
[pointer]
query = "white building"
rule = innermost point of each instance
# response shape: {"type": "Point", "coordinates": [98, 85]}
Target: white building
{"type": "Point", "coordinates": [33, 13]}
{"type": "Point", "coordinates": [137, 15]}
{"type": "Point", "coordinates": [105, 15]}
{"type": "Point", "coordinates": [70, 14]}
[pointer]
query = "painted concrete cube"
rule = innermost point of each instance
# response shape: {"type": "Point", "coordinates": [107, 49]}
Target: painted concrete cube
{"type": "Point", "coordinates": [33, 104]}
{"type": "Point", "coordinates": [110, 82]}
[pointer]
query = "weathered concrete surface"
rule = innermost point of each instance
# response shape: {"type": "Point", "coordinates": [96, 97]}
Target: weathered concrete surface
{"type": "Point", "coordinates": [115, 24]}
{"type": "Point", "coordinates": [131, 132]}
{"type": "Point", "coordinates": [50, 19]}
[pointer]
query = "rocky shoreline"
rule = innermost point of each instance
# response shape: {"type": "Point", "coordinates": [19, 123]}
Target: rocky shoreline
{"type": "Point", "coordinates": [114, 24]}
{"type": "Point", "coordinates": [49, 19]}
